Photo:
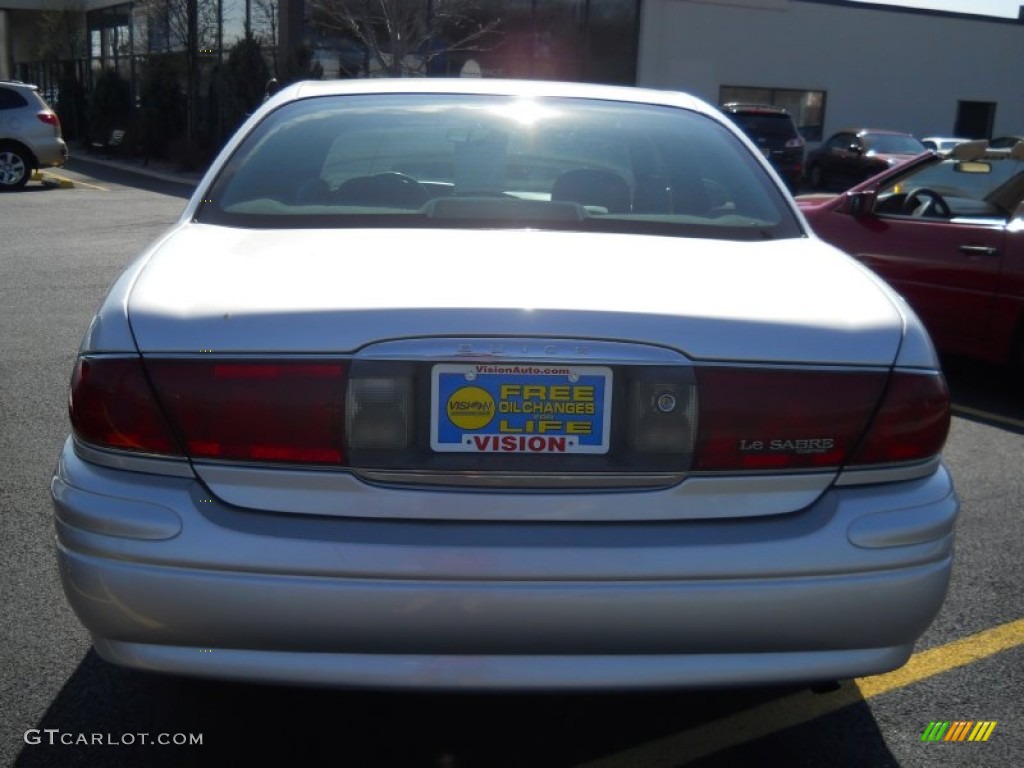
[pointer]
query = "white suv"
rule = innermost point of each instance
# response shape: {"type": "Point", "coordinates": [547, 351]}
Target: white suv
{"type": "Point", "coordinates": [30, 135]}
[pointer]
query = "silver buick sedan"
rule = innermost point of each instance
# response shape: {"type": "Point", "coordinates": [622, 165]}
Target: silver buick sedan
{"type": "Point", "coordinates": [486, 385]}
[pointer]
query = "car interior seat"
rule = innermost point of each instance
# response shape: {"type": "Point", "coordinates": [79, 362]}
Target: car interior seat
{"type": "Point", "coordinates": [388, 190]}
{"type": "Point", "coordinates": [589, 186]}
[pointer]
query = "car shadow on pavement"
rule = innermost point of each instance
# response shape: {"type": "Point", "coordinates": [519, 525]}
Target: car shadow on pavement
{"type": "Point", "coordinates": [987, 394]}
{"type": "Point", "coordinates": [131, 175]}
{"type": "Point", "coordinates": [242, 724]}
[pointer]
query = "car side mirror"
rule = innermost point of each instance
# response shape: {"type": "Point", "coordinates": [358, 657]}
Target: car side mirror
{"type": "Point", "coordinates": [861, 204]}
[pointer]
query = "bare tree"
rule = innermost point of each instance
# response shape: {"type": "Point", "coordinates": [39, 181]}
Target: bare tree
{"type": "Point", "coordinates": [173, 19]}
{"type": "Point", "coordinates": [265, 26]}
{"type": "Point", "coordinates": [402, 37]}
{"type": "Point", "coordinates": [190, 26]}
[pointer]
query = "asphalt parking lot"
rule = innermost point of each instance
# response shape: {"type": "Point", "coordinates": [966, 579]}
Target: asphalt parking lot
{"type": "Point", "coordinates": [61, 246]}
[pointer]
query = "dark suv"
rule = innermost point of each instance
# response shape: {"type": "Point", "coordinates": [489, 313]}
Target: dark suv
{"type": "Point", "coordinates": [775, 134]}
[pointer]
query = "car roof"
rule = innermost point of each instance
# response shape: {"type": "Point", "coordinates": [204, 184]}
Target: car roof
{"type": "Point", "coordinates": [874, 131]}
{"type": "Point", "coordinates": [754, 108]}
{"type": "Point", "coordinates": [496, 87]}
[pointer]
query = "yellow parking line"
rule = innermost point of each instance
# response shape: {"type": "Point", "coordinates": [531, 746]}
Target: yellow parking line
{"type": "Point", "coordinates": [805, 706]}
{"type": "Point", "coordinates": [62, 180]}
{"type": "Point", "coordinates": [946, 657]}
{"type": "Point", "coordinates": [987, 416]}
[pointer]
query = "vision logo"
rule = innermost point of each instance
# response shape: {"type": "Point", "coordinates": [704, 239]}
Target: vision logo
{"type": "Point", "coordinates": [958, 730]}
{"type": "Point", "coordinates": [471, 408]}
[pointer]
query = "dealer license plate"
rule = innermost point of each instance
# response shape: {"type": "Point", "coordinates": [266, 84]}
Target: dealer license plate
{"type": "Point", "coordinates": [520, 408]}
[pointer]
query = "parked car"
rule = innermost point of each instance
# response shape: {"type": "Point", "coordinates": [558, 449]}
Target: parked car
{"type": "Point", "coordinates": [947, 233]}
{"type": "Point", "coordinates": [941, 143]}
{"type": "Point", "coordinates": [502, 386]}
{"type": "Point", "coordinates": [773, 131]}
{"type": "Point", "coordinates": [854, 154]}
{"type": "Point", "coordinates": [30, 136]}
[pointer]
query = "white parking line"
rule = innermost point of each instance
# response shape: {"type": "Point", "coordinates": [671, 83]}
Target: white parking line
{"type": "Point", "coordinates": [995, 418]}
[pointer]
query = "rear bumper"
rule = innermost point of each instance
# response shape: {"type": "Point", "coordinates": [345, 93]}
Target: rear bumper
{"type": "Point", "coordinates": [348, 632]}
{"type": "Point", "coordinates": [232, 594]}
{"type": "Point", "coordinates": [51, 153]}
{"type": "Point", "coordinates": [453, 672]}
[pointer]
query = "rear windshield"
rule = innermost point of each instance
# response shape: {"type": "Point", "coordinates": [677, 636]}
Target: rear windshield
{"type": "Point", "coordinates": [483, 161]}
{"type": "Point", "coordinates": [777, 127]}
{"type": "Point", "coordinates": [894, 144]}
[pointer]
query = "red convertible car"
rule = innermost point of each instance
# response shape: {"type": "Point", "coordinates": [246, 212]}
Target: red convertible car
{"type": "Point", "coordinates": [947, 231]}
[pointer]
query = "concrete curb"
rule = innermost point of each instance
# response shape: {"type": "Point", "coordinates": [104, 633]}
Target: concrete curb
{"type": "Point", "coordinates": [53, 181]}
{"type": "Point", "coordinates": [191, 180]}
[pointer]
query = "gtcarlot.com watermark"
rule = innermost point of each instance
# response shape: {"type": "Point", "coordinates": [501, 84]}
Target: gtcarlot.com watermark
{"type": "Point", "coordinates": [56, 737]}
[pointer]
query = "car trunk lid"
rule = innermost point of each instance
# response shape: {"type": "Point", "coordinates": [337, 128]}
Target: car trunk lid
{"type": "Point", "coordinates": [315, 291]}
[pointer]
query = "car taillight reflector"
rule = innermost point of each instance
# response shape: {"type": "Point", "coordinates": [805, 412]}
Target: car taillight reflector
{"type": "Point", "coordinates": [112, 406]}
{"type": "Point", "coordinates": [49, 118]}
{"type": "Point", "coordinates": [912, 422]}
{"type": "Point", "coordinates": [287, 411]}
{"type": "Point", "coordinates": [774, 419]}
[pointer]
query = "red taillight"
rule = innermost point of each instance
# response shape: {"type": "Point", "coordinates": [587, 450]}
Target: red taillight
{"type": "Point", "coordinates": [762, 419]}
{"type": "Point", "coordinates": [912, 422]}
{"type": "Point", "coordinates": [289, 411]}
{"type": "Point", "coordinates": [112, 406]}
{"type": "Point", "coordinates": [49, 118]}
{"type": "Point", "coordinates": [765, 419]}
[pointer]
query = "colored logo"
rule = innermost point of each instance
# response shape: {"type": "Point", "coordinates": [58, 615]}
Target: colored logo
{"type": "Point", "coordinates": [470, 408]}
{"type": "Point", "coordinates": [958, 730]}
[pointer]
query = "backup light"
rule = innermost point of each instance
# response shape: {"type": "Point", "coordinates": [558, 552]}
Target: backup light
{"type": "Point", "coordinates": [379, 413]}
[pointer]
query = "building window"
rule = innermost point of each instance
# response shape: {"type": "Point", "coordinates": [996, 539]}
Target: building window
{"type": "Point", "coordinates": [111, 37]}
{"type": "Point", "coordinates": [974, 119]}
{"type": "Point", "coordinates": [806, 107]}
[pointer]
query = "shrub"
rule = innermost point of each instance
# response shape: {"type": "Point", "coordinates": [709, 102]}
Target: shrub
{"type": "Point", "coordinates": [110, 106]}
{"type": "Point", "coordinates": [244, 81]}
{"type": "Point", "coordinates": [163, 104]}
{"type": "Point", "coordinates": [72, 107]}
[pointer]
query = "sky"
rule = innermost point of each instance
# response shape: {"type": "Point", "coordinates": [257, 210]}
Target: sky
{"type": "Point", "coordinates": [1005, 8]}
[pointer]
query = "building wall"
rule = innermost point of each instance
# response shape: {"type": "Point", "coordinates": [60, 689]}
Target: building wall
{"type": "Point", "coordinates": [879, 67]}
{"type": "Point", "coordinates": [23, 28]}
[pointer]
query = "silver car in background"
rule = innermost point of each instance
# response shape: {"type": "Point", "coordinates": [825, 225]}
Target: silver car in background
{"type": "Point", "coordinates": [487, 385]}
{"type": "Point", "coordinates": [30, 135]}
